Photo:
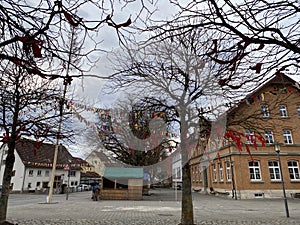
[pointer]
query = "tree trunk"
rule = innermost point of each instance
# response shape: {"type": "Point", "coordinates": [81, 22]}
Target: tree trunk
{"type": "Point", "coordinates": [187, 213]}
{"type": "Point", "coordinates": [10, 160]}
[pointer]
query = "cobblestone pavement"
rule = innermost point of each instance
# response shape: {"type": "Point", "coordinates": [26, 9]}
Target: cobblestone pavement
{"type": "Point", "coordinates": [161, 208]}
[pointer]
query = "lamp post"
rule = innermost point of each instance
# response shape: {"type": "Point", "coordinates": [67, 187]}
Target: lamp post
{"type": "Point", "coordinates": [69, 170]}
{"type": "Point", "coordinates": [277, 150]}
{"type": "Point", "coordinates": [233, 180]}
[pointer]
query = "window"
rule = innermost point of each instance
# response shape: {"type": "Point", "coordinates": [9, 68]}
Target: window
{"type": "Point", "coordinates": [45, 184]}
{"type": "Point", "coordinates": [178, 173]}
{"type": "Point", "coordinates": [47, 173]}
{"type": "Point", "coordinates": [287, 136]}
{"type": "Point", "coordinates": [298, 110]}
{"type": "Point", "coordinates": [269, 138]}
{"type": "Point", "coordinates": [265, 110]}
{"type": "Point", "coordinates": [30, 173]}
{"type": "Point", "coordinates": [72, 173]}
{"type": "Point", "coordinates": [197, 174]}
{"type": "Point", "coordinates": [215, 172]}
{"type": "Point", "coordinates": [200, 175]}
{"type": "Point", "coordinates": [39, 173]}
{"type": "Point", "coordinates": [76, 182]}
{"type": "Point", "coordinates": [254, 170]}
{"type": "Point", "coordinates": [294, 170]}
{"type": "Point", "coordinates": [29, 185]}
{"type": "Point", "coordinates": [38, 184]}
{"type": "Point", "coordinates": [221, 172]}
{"type": "Point", "coordinates": [274, 170]}
{"type": "Point", "coordinates": [249, 137]}
{"type": "Point", "coordinates": [193, 174]}
{"type": "Point", "coordinates": [283, 111]}
{"type": "Point", "coordinates": [228, 171]}
{"type": "Point", "coordinates": [13, 173]}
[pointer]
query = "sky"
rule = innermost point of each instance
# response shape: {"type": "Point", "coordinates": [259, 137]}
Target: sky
{"type": "Point", "coordinates": [90, 90]}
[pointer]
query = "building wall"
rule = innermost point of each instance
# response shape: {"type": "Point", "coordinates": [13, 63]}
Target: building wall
{"type": "Point", "coordinates": [96, 162]}
{"type": "Point", "coordinates": [251, 114]}
{"type": "Point", "coordinates": [18, 170]}
{"type": "Point", "coordinates": [21, 178]}
{"type": "Point", "coordinates": [45, 176]}
{"type": "Point", "coordinates": [176, 168]}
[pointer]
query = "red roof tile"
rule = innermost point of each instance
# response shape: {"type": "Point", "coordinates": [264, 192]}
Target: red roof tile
{"type": "Point", "coordinates": [44, 155]}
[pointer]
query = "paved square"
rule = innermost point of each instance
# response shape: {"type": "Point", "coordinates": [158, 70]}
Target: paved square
{"type": "Point", "coordinates": [159, 208]}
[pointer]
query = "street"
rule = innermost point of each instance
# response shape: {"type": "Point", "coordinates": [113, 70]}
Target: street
{"type": "Point", "coordinates": [160, 207]}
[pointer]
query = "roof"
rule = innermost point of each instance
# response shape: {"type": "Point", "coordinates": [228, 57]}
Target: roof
{"type": "Point", "coordinates": [115, 172]}
{"type": "Point", "coordinates": [90, 174]}
{"type": "Point", "coordinates": [282, 79]}
{"type": "Point", "coordinates": [38, 154]}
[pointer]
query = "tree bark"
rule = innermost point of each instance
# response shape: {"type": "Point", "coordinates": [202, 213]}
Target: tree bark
{"type": "Point", "coordinates": [187, 213]}
{"type": "Point", "coordinates": [9, 164]}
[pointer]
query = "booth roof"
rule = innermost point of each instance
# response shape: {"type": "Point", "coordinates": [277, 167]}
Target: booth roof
{"type": "Point", "coordinates": [116, 172]}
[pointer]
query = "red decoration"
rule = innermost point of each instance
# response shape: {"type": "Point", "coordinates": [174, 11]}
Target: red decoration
{"type": "Point", "coordinates": [5, 139]}
{"type": "Point", "coordinates": [219, 157]}
{"type": "Point", "coordinates": [70, 19]}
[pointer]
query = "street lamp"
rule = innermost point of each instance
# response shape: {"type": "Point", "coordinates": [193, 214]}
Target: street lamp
{"type": "Point", "coordinates": [69, 169]}
{"type": "Point", "coordinates": [277, 150]}
{"type": "Point", "coordinates": [233, 180]}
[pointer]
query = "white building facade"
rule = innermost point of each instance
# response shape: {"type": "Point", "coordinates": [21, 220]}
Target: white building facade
{"type": "Point", "coordinates": [34, 176]}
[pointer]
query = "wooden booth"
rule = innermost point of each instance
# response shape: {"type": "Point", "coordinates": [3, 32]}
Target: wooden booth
{"type": "Point", "coordinates": [122, 183]}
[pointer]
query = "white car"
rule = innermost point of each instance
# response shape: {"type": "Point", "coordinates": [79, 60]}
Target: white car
{"type": "Point", "coordinates": [82, 187]}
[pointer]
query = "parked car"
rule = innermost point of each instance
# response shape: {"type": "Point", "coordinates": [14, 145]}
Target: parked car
{"type": "Point", "coordinates": [83, 187]}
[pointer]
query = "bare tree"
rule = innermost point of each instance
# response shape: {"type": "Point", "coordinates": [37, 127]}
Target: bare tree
{"type": "Point", "coordinates": [33, 44]}
{"type": "Point", "coordinates": [29, 107]}
{"type": "Point", "coordinates": [176, 75]}
{"type": "Point", "coordinates": [253, 39]}
{"type": "Point", "coordinates": [250, 41]}
{"type": "Point", "coordinates": [41, 28]}
{"type": "Point", "coordinates": [125, 132]}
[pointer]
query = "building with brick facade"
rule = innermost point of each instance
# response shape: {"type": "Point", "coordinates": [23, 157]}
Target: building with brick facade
{"type": "Point", "coordinates": [245, 164]}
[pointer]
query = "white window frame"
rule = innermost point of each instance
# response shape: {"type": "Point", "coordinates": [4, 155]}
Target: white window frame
{"type": "Point", "coordinates": [298, 110]}
{"type": "Point", "coordinates": [274, 170]}
{"type": "Point", "coordinates": [269, 137]}
{"type": "Point", "coordinates": [72, 173]}
{"type": "Point", "coordinates": [215, 173]}
{"type": "Point", "coordinates": [283, 111]}
{"type": "Point", "coordinates": [221, 174]}
{"type": "Point", "coordinates": [30, 173]}
{"type": "Point", "coordinates": [39, 173]}
{"type": "Point", "coordinates": [228, 171]}
{"type": "Point", "coordinates": [197, 173]}
{"type": "Point", "coordinates": [293, 167]}
{"type": "Point", "coordinates": [265, 110]}
{"type": "Point", "coordinates": [47, 173]}
{"type": "Point", "coordinates": [249, 136]}
{"type": "Point", "coordinates": [193, 174]}
{"type": "Point", "coordinates": [254, 171]}
{"type": "Point", "coordinates": [200, 174]}
{"type": "Point", "coordinates": [287, 137]}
